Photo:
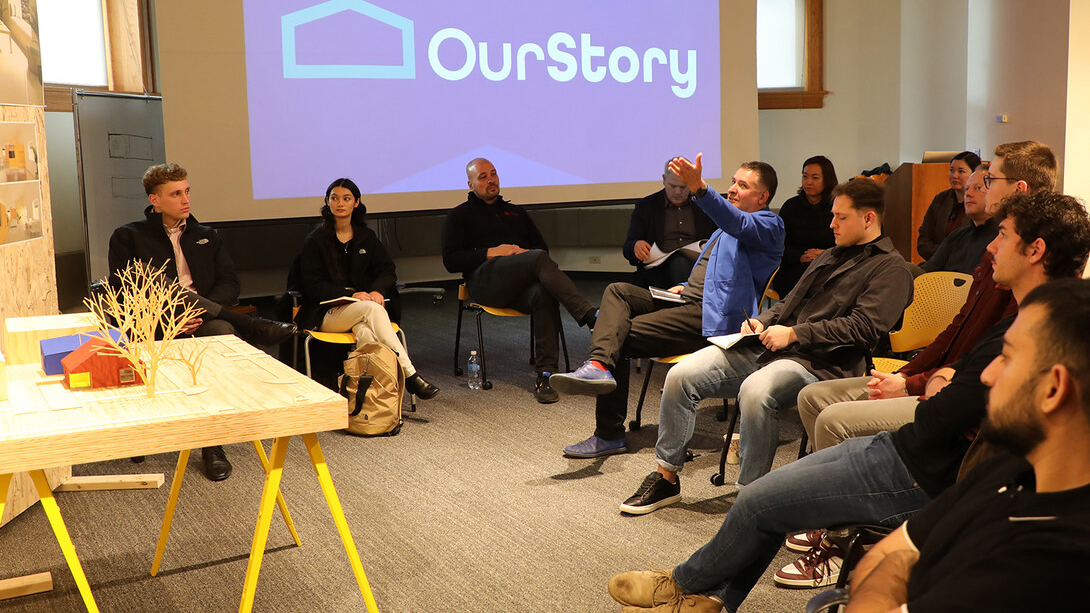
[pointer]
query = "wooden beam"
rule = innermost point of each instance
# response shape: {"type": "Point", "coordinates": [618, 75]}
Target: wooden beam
{"type": "Point", "coordinates": [124, 40]}
{"type": "Point", "coordinates": [24, 586]}
{"type": "Point", "coordinates": [112, 482]}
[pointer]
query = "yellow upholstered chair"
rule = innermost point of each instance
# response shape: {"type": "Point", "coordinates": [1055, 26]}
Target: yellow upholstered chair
{"type": "Point", "coordinates": [888, 364]}
{"type": "Point", "coordinates": [937, 297]}
{"type": "Point", "coordinates": [466, 303]}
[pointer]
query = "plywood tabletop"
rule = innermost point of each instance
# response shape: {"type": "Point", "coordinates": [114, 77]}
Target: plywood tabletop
{"type": "Point", "coordinates": [241, 394]}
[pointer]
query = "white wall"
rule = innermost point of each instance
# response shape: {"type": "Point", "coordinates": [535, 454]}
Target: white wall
{"type": "Point", "coordinates": [934, 65]}
{"type": "Point", "coordinates": [860, 126]}
{"type": "Point", "coordinates": [1018, 63]}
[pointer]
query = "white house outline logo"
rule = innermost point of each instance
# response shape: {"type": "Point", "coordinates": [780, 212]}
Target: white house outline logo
{"type": "Point", "coordinates": [294, 70]}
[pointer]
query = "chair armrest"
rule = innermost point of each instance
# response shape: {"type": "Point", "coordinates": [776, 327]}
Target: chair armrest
{"type": "Point", "coordinates": [825, 601]}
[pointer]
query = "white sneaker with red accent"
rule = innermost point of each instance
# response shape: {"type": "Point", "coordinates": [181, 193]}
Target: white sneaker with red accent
{"type": "Point", "coordinates": [818, 568]}
{"type": "Point", "coordinates": [803, 542]}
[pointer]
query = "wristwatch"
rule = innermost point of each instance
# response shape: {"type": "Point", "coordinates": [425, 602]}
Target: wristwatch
{"type": "Point", "coordinates": [700, 193]}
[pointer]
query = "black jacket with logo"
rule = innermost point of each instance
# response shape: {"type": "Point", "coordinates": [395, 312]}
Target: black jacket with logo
{"type": "Point", "coordinates": [209, 264]}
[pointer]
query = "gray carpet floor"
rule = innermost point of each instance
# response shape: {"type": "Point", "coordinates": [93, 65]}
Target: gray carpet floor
{"type": "Point", "coordinates": [471, 507]}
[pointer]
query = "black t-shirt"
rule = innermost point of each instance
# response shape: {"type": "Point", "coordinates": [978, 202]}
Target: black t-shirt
{"type": "Point", "coordinates": [933, 445]}
{"type": "Point", "coordinates": [992, 543]}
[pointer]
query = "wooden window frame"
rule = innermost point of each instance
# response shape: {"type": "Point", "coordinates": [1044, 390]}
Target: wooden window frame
{"type": "Point", "coordinates": [117, 17]}
{"type": "Point", "coordinates": [812, 95]}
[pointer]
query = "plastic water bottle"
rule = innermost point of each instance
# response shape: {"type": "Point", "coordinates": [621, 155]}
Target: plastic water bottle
{"type": "Point", "coordinates": [473, 371]}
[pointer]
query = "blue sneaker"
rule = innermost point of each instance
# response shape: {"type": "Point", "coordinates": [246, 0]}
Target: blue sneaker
{"type": "Point", "coordinates": [587, 380]}
{"type": "Point", "coordinates": [595, 447]}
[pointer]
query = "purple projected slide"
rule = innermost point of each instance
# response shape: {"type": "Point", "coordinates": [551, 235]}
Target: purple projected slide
{"type": "Point", "coordinates": [399, 95]}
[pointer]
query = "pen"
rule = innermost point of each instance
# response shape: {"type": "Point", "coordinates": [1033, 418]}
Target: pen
{"type": "Point", "coordinates": [745, 314]}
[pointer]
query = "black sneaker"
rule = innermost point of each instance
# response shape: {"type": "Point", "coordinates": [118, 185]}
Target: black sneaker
{"type": "Point", "coordinates": [655, 492]}
{"type": "Point", "coordinates": [544, 393]}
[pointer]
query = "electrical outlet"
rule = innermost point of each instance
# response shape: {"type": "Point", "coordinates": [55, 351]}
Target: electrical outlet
{"type": "Point", "coordinates": [595, 259]}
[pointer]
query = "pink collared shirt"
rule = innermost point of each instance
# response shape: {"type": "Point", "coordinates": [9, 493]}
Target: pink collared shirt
{"type": "Point", "coordinates": [184, 277]}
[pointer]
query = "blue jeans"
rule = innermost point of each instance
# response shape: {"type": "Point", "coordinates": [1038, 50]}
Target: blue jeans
{"type": "Point", "coordinates": [859, 481]}
{"type": "Point", "coordinates": [716, 373]}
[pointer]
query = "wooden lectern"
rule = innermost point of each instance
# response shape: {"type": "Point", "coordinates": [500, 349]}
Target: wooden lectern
{"type": "Point", "coordinates": [909, 190]}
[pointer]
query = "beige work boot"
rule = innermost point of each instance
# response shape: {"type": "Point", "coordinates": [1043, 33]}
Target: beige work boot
{"type": "Point", "coordinates": [644, 588]}
{"type": "Point", "coordinates": [689, 603]}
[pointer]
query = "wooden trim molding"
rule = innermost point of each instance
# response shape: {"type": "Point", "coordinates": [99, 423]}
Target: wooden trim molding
{"type": "Point", "coordinates": [812, 96]}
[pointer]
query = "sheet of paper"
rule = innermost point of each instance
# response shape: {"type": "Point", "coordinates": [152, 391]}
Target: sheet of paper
{"type": "Point", "coordinates": [738, 339]}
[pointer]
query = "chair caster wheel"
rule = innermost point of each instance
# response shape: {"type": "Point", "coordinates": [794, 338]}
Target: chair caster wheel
{"type": "Point", "coordinates": [458, 372]}
{"type": "Point", "coordinates": [720, 415]}
{"type": "Point", "coordinates": [717, 479]}
{"type": "Point", "coordinates": [487, 385]}
{"type": "Point", "coordinates": [633, 425]}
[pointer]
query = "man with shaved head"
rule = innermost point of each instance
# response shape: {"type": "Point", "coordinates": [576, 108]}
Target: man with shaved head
{"type": "Point", "coordinates": [505, 263]}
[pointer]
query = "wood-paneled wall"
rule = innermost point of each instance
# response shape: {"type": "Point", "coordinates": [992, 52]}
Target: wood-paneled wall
{"type": "Point", "coordinates": [28, 286]}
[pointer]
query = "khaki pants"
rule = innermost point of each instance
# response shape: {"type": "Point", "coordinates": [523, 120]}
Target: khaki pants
{"type": "Point", "coordinates": [833, 411]}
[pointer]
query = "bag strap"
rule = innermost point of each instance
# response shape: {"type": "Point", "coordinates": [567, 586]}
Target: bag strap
{"type": "Point", "coordinates": [362, 384]}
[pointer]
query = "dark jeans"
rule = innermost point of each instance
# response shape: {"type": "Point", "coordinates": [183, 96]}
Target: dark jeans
{"type": "Point", "coordinates": [633, 325]}
{"type": "Point", "coordinates": [860, 481]}
{"type": "Point", "coordinates": [531, 282]}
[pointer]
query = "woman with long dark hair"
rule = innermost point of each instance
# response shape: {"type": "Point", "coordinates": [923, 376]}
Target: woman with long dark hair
{"type": "Point", "coordinates": [806, 217]}
{"type": "Point", "coordinates": [344, 258]}
{"type": "Point", "coordinates": [946, 212]}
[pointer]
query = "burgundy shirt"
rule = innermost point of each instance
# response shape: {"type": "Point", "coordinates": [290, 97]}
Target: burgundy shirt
{"type": "Point", "coordinates": [987, 304]}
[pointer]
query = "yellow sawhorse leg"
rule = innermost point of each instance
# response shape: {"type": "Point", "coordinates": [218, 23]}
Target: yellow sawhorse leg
{"type": "Point", "coordinates": [53, 512]}
{"type": "Point", "coordinates": [264, 519]}
{"type": "Point", "coordinates": [318, 460]}
{"type": "Point", "coordinates": [168, 517]}
{"type": "Point", "coordinates": [5, 481]}
{"type": "Point", "coordinates": [172, 502]}
{"type": "Point", "coordinates": [279, 495]}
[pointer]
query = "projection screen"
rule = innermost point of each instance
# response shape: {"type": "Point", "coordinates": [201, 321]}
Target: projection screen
{"type": "Point", "coordinates": [267, 101]}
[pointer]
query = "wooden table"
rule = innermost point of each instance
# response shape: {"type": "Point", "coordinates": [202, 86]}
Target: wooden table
{"type": "Point", "coordinates": [241, 394]}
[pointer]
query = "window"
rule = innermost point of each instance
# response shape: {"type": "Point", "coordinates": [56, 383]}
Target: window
{"type": "Point", "coordinates": [790, 75]}
{"type": "Point", "coordinates": [95, 45]}
{"type": "Point", "coordinates": [73, 48]}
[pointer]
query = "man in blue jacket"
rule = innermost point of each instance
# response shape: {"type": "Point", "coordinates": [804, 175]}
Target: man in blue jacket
{"type": "Point", "coordinates": [824, 328]}
{"type": "Point", "coordinates": [723, 287]}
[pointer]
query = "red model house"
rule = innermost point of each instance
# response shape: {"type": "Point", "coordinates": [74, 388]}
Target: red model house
{"type": "Point", "coordinates": [95, 364]}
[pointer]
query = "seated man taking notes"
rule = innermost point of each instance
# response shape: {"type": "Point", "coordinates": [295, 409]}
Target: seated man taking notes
{"type": "Point", "coordinates": [848, 297]}
{"type": "Point", "coordinates": [665, 234]}
{"type": "Point", "coordinates": [722, 290]}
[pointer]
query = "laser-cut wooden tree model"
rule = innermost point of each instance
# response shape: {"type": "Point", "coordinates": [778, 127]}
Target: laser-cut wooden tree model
{"type": "Point", "coordinates": [192, 355]}
{"type": "Point", "coordinates": [144, 302]}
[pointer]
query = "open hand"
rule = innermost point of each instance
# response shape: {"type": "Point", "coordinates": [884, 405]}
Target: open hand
{"type": "Point", "coordinates": [689, 172]}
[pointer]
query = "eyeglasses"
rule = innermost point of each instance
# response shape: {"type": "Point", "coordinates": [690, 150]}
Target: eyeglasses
{"type": "Point", "coordinates": [989, 178]}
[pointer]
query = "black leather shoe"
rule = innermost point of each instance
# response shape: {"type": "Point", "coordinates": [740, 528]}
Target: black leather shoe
{"type": "Point", "coordinates": [420, 388]}
{"type": "Point", "coordinates": [137, 459]}
{"type": "Point", "coordinates": [544, 392]}
{"type": "Point", "coordinates": [269, 332]}
{"type": "Point", "coordinates": [214, 463]}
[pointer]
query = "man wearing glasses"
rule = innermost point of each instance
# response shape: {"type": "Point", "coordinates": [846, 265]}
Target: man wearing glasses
{"type": "Point", "coordinates": [836, 410]}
